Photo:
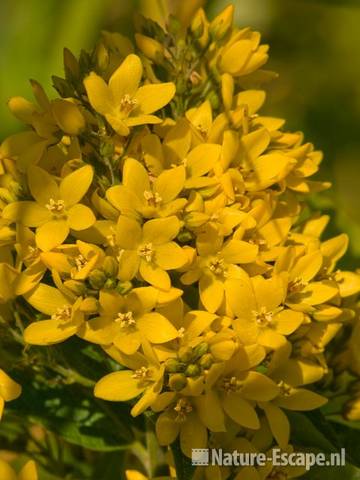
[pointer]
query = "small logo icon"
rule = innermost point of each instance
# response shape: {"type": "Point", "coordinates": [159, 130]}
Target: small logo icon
{"type": "Point", "coordinates": [200, 456]}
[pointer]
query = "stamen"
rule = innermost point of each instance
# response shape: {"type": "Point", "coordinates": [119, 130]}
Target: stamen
{"type": "Point", "coordinates": [146, 251]}
{"type": "Point", "coordinates": [55, 206]}
{"type": "Point", "coordinates": [125, 319]}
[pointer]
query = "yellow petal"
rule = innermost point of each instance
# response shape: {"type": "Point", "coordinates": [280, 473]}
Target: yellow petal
{"type": "Point", "coordinates": [302, 400]}
{"type": "Point", "coordinates": [30, 214]}
{"type": "Point", "coordinates": [100, 96]}
{"type": "Point", "coordinates": [193, 434]}
{"type": "Point", "coordinates": [74, 186]}
{"type": "Point", "coordinates": [156, 328]}
{"type": "Point", "coordinates": [68, 116]}
{"type": "Point", "coordinates": [170, 256]}
{"type": "Point", "coordinates": [210, 411]}
{"type": "Point", "coordinates": [279, 423]}
{"type": "Point", "coordinates": [238, 251]}
{"type": "Point", "coordinates": [161, 230]}
{"type": "Point", "coordinates": [48, 332]}
{"type": "Point", "coordinates": [119, 386]}
{"type": "Point", "coordinates": [202, 159]}
{"type": "Point", "coordinates": [29, 471]}
{"type": "Point", "coordinates": [80, 217]}
{"type": "Point", "coordinates": [128, 265]}
{"type": "Point", "coordinates": [22, 109]}
{"type": "Point", "coordinates": [6, 472]}
{"type": "Point", "coordinates": [167, 429]}
{"type": "Point", "coordinates": [287, 321]}
{"type": "Point", "coordinates": [316, 293]}
{"type": "Point", "coordinates": [42, 185]}
{"type": "Point", "coordinates": [235, 57]}
{"type": "Point", "coordinates": [51, 234]}
{"type": "Point", "coordinates": [241, 411]}
{"type": "Point", "coordinates": [170, 183]}
{"type": "Point", "coordinates": [46, 299]}
{"type": "Point", "coordinates": [259, 387]}
{"type": "Point", "coordinates": [153, 97]}
{"type": "Point", "coordinates": [211, 292]}
{"type": "Point", "coordinates": [307, 266]}
{"type": "Point", "coordinates": [128, 233]}
{"type": "Point", "coordinates": [254, 99]}
{"type": "Point", "coordinates": [9, 390]}
{"type": "Point", "coordinates": [124, 199]}
{"type": "Point", "coordinates": [126, 78]}
{"type": "Point", "coordinates": [154, 275]}
{"type": "Point", "coordinates": [135, 177]}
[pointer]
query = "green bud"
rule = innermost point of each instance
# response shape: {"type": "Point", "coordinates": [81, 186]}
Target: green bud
{"type": "Point", "coordinates": [177, 381]}
{"type": "Point", "coordinates": [124, 287]}
{"type": "Point", "coordinates": [110, 284]}
{"type": "Point", "coordinates": [185, 354]}
{"type": "Point", "coordinates": [206, 361]}
{"type": "Point", "coordinates": [192, 370]}
{"type": "Point", "coordinates": [262, 369]}
{"type": "Point", "coordinates": [172, 365]}
{"type": "Point", "coordinates": [185, 236]}
{"type": "Point", "coordinates": [110, 266]}
{"type": "Point", "coordinates": [200, 350]}
{"type": "Point", "coordinates": [97, 279]}
{"type": "Point", "coordinates": [76, 287]}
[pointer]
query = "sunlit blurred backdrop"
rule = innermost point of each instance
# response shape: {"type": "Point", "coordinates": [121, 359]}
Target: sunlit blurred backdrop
{"type": "Point", "coordinates": [315, 48]}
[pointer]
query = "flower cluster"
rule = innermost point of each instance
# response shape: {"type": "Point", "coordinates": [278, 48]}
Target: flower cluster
{"type": "Point", "coordinates": [153, 212]}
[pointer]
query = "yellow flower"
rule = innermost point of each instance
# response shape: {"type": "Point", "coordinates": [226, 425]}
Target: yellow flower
{"type": "Point", "coordinates": [49, 116]}
{"type": "Point", "coordinates": [127, 320]}
{"type": "Point", "coordinates": [123, 103]}
{"type": "Point", "coordinates": [242, 54]}
{"type": "Point", "coordinates": [150, 250]}
{"type": "Point", "coordinates": [66, 316]}
{"type": "Point", "coordinates": [216, 264]}
{"type": "Point", "coordinates": [56, 209]}
{"type": "Point", "coordinates": [9, 390]}
{"type": "Point", "coordinates": [28, 471]}
{"type": "Point", "coordinates": [260, 315]}
{"type": "Point", "coordinates": [147, 196]}
{"type": "Point", "coordinates": [144, 379]}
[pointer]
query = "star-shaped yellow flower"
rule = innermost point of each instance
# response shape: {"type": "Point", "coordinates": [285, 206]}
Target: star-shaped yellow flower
{"type": "Point", "coordinates": [56, 208]}
{"type": "Point", "coordinates": [123, 103]}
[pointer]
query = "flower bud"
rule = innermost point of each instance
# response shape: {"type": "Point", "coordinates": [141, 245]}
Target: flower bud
{"type": "Point", "coordinates": [185, 354]}
{"type": "Point", "coordinates": [352, 410]}
{"type": "Point", "coordinates": [172, 365]}
{"type": "Point", "coordinates": [222, 23]}
{"type": "Point", "coordinates": [124, 287]}
{"type": "Point", "coordinates": [200, 350]}
{"type": "Point", "coordinates": [151, 48]}
{"type": "Point", "coordinates": [110, 266]}
{"type": "Point", "coordinates": [177, 381]}
{"type": "Point", "coordinates": [76, 287]}
{"type": "Point", "coordinates": [97, 279]}
{"type": "Point", "coordinates": [110, 284]}
{"type": "Point", "coordinates": [192, 370]}
{"type": "Point", "coordinates": [200, 28]}
{"type": "Point", "coordinates": [102, 57]}
{"type": "Point", "coordinates": [206, 361]}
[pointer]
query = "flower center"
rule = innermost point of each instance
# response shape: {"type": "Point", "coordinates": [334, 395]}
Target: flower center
{"type": "Point", "coordinates": [55, 206]}
{"type": "Point", "coordinates": [142, 373]}
{"type": "Point", "coordinates": [263, 318]}
{"type": "Point", "coordinates": [80, 262]}
{"type": "Point", "coordinates": [231, 384]}
{"type": "Point", "coordinates": [146, 251]}
{"type": "Point", "coordinates": [217, 266]}
{"type": "Point", "coordinates": [285, 388]}
{"type": "Point", "coordinates": [127, 103]}
{"type": "Point", "coordinates": [125, 319]}
{"type": "Point", "coordinates": [296, 285]}
{"type": "Point", "coordinates": [153, 199]}
{"type": "Point", "coordinates": [32, 254]}
{"type": "Point", "coordinates": [182, 408]}
{"type": "Point", "coordinates": [63, 314]}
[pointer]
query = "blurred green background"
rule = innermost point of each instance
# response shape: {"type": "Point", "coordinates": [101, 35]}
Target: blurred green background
{"type": "Point", "coordinates": [315, 47]}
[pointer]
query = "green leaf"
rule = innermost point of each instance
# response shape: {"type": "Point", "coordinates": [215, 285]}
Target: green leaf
{"type": "Point", "coordinates": [72, 413]}
{"type": "Point", "coordinates": [184, 468]}
{"type": "Point", "coordinates": [349, 472]}
{"type": "Point", "coordinates": [312, 431]}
